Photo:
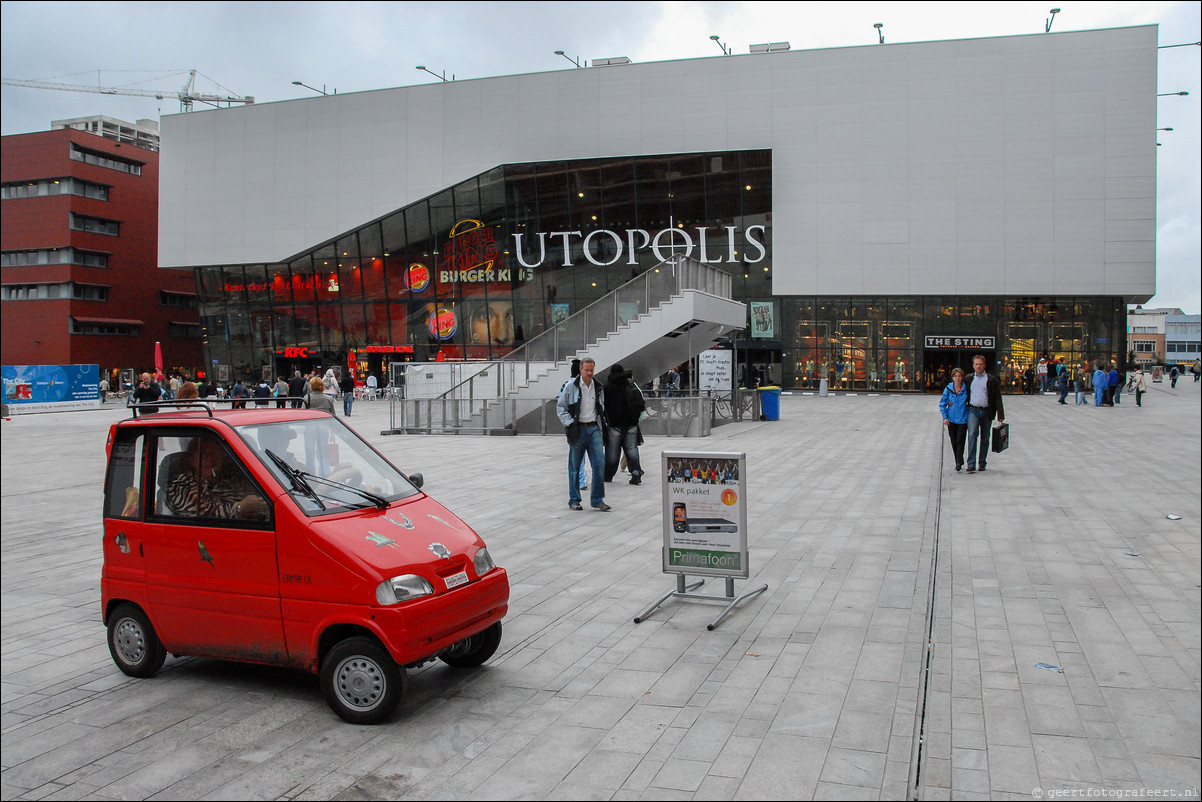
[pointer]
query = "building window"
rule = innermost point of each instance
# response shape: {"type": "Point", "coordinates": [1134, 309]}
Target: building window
{"type": "Point", "coordinates": [53, 292]}
{"type": "Point", "coordinates": [54, 186]}
{"type": "Point", "coordinates": [182, 300]}
{"type": "Point", "coordinates": [183, 330]}
{"type": "Point", "coordinates": [100, 159]}
{"type": "Point", "coordinates": [113, 329]}
{"type": "Point", "coordinates": [54, 256]}
{"type": "Point", "coordinates": [95, 225]}
{"type": "Point", "coordinates": [1145, 347]}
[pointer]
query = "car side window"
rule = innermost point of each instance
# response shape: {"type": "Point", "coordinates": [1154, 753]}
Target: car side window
{"type": "Point", "coordinates": [122, 492]}
{"type": "Point", "coordinates": [197, 478]}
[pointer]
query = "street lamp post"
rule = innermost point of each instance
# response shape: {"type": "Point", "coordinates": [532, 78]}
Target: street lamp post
{"type": "Point", "coordinates": [725, 50]}
{"type": "Point", "coordinates": [879, 32]}
{"type": "Point", "coordinates": [1047, 26]}
{"type": "Point", "coordinates": [314, 88]}
{"type": "Point", "coordinates": [572, 59]}
{"type": "Point", "coordinates": [442, 77]}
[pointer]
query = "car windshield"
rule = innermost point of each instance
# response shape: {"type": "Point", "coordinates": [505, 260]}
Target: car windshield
{"type": "Point", "coordinates": [325, 466]}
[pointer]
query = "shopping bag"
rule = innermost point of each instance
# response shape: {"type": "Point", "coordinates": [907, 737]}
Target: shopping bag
{"type": "Point", "coordinates": [1000, 438]}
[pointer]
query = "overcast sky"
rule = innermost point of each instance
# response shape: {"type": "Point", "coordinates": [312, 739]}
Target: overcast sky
{"type": "Point", "coordinates": [259, 49]}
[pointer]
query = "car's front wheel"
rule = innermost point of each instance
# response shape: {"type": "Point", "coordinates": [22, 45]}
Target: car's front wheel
{"type": "Point", "coordinates": [361, 681]}
{"type": "Point", "coordinates": [135, 647]}
{"type": "Point", "coordinates": [475, 650]}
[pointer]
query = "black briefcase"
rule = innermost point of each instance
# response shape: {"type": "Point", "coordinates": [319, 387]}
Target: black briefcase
{"type": "Point", "coordinates": [1000, 438]}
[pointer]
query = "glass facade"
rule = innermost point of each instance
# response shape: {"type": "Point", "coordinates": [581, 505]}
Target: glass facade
{"type": "Point", "coordinates": [477, 269]}
{"type": "Point", "coordinates": [912, 343]}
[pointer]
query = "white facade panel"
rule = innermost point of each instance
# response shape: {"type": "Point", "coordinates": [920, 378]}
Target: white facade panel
{"type": "Point", "coordinates": [976, 166]}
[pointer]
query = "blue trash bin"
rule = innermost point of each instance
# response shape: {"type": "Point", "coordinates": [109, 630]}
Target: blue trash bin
{"type": "Point", "coordinates": [770, 403]}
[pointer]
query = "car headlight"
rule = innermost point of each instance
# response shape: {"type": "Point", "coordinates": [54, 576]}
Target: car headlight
{"type": "Point", "coordinates": [483, 561]}
{"type": "Point", "coordinates": [402, 588]}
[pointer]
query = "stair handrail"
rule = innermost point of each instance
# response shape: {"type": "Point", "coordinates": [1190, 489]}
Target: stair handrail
{"type": "Point", "coordinates": [685, 274]}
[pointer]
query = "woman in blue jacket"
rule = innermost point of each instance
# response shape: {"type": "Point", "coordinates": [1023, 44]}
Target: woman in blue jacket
{"type": "Point", "coordinates": [954, 408]}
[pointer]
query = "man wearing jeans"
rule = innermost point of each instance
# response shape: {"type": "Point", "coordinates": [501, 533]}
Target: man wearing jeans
{"type": "Point", "coordinates": [581, 410]}
{"type": "Point", "coordinates": [984, 403]}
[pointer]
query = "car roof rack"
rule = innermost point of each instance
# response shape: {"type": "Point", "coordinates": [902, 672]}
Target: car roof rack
{"type": "Point", "coordinates": [206, 404]}
{"type": "Point", "coordinates": [186, 405]}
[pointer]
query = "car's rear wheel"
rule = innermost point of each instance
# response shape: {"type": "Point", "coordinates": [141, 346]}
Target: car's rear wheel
{"type": "Point", "coordinates": [361, 681]}
{"type": "Point", "coordinates": [135, 647]}
{"type": "Point", "coordinates": [475, 650]}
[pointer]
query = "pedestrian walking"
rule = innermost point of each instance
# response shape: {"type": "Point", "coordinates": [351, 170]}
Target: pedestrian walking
{"type": "Point", "coordinates": [347, 386]}
{"type": "Point", "coordinates": [298, 387]}
{"type": "Point", "coordinates": [1062, 383]}
{"type": "Point", "coordinates": [581, 410]}
{"type": "Point", "coordinates": [953, 406]}
{"type": "Point", "coordinates": [623, 406]}
{"type": "Point", "coordinates": [984, 404]}
{"type": "Point", "coordinates": [1141, 386]}
{"type": "Point", "coordinates": [1100, 383]}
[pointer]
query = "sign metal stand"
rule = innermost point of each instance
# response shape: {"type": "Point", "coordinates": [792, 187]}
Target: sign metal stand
{"type": "Point", "coordinates": [705, 526]}
{"type": "Point", "coordinates": [684, 591]}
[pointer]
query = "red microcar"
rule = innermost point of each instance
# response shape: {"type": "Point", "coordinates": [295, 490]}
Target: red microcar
{"type": "Point", "coordinates": [280, 536]}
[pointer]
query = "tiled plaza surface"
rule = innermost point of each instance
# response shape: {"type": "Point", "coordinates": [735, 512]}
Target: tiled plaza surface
{"type": "Point", "coordinates": [894, 655]}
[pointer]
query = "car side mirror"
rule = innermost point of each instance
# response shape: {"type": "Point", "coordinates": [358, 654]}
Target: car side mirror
{"type": "Point", "coordinates": [417, 480]}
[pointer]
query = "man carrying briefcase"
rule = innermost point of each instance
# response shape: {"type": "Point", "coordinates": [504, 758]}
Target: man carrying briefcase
{"type": "Point", "coordinates": [984, 404]}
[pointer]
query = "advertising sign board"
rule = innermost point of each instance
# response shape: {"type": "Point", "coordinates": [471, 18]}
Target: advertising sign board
{"type": "Point", "coordinates": [705, 513]}
{"type": "Point", "coordinates": [42, 388]}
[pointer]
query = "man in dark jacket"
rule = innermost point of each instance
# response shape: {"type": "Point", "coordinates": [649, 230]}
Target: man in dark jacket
{"type": "Point", "coordinates": [147, 392]}
{"type": "Point", "coordinates": [984, 404]}
{"type": "Point", "coordinates": [623, 406]}
{"type": "Point", "coordinates": [296, 389]}
{"type": "Point", "coordinates": [347, 386]}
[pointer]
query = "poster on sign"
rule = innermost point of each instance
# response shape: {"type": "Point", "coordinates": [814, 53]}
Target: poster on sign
{"type": "Point", "coordinates": [705, 513]}
{"type": "Point", "coordinates": [715, 371]}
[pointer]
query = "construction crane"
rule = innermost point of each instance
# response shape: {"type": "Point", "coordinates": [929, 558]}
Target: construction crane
{"type": "Point", "coordinates": [187, 96]}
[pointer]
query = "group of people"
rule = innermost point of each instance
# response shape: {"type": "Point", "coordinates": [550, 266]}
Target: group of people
{"type": "Point", "coordinates": [970, 404]}
{"type": "Point", "coordinates": [601, 421]}
{"type": "Point", "coordinates": [302, 391]}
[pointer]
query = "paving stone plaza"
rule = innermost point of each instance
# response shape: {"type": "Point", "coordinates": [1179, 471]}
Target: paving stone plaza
{"type": "Point", "coordinates": [895, 654]}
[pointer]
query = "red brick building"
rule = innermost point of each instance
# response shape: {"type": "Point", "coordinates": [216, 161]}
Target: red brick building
{"type": "Point", "coordinates": [79, 263]}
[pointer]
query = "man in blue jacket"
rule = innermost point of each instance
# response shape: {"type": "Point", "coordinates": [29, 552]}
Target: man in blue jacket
{"type": "Point", "coordinates": [581, 410]}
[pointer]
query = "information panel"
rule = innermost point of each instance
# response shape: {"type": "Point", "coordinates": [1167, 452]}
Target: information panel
{"type": "Point", "coordinates": [705, 513]}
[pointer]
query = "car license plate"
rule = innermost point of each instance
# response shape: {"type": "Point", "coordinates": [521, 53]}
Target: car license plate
{"type": "Point", "coordinates": [455, 580]}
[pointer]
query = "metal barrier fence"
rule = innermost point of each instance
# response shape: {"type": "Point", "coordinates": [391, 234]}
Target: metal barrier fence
{"type": "Point", "coordinates": [666, 416]}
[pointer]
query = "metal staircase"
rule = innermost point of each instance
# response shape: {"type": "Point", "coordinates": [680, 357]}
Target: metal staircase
{"type": "Point", "coordinates": [656, 321]}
